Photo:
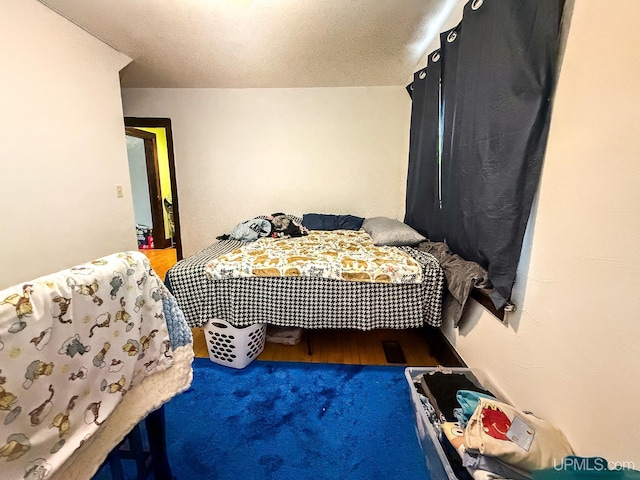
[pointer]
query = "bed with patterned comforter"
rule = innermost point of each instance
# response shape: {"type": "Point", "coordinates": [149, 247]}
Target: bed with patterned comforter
{"type": "Point", "coordinates": [332, 280]}
{"type": "Point", "coordinates": [338, 255]}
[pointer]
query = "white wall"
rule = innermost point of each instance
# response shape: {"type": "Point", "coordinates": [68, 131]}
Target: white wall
{"type": "Point", "coordinates": [453, 12]}
{"type": "Point", "coordinates": [63, 145]}
{"type": "Point", "coordinates": [246, 152]}
{"type": "Point", "coordinates": [572, 352]}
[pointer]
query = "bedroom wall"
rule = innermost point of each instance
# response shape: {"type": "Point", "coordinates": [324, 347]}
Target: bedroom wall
{"type": "Point", "coordinates": [246, 152]}
{"type": "Point", "coordinates": [571, 353]}
{"type": "Point", "coordinates": [63, 145]}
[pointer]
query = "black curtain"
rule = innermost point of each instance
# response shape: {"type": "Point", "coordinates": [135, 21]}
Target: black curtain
{"type": "Point", "coordinates": [497, 81]}
{"type": "Point", "coordinates": [450, 42]}
{"type": "Point", "coordinates": [422, 209]}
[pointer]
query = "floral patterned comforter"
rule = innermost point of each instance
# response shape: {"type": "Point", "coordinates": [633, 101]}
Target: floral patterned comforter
{"type": "Point", "coordinates": [338, 254]}
{"type": "Point", "coordinates": [72, 344]}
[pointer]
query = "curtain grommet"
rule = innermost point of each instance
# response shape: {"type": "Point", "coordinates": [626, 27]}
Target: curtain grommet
{"type": "Point", "coordinates": [452, 36]}
{"type": "Point", "coordinates": [422, 75]}
{"type": "Point", "coordinates": [476, 4]}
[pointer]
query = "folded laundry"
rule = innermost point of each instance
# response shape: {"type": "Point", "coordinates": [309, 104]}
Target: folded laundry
{"type": "Point", "coordinates": [442, 388]}
{"type": "Point", "coordinates": [468, 400]}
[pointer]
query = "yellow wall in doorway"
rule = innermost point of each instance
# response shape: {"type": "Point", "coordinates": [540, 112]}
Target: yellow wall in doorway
{"type": "Point", "coordinates": [163, 169]}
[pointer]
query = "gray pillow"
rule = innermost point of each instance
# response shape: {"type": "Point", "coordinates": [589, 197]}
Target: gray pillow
{"type": "Point", "coordinates": [387, 231]}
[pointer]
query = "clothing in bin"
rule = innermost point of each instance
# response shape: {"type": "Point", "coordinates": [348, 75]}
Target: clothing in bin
{"type": "Point", "coordinates": [483, 437]}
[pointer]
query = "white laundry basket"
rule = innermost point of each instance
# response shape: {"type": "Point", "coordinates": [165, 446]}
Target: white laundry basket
{"type": "Point", "coordinates": [231, 346]}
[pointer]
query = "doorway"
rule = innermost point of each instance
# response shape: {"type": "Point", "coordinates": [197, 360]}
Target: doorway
{"type": "Point", "coordinates": [153, 183]}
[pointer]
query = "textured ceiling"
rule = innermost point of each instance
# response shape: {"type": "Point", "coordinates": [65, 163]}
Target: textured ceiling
{"type": "Point", "coordinates": [262, 43]}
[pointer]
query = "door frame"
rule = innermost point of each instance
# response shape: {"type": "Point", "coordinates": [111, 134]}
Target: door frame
{"type": "Point", "coordinates": [165, 123]}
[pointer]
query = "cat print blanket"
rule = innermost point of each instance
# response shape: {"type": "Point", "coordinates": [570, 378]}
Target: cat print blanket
{"type": "Point", "coordinates": [72, 344]}
{"type": "Point", "coordinates": [338, 254]}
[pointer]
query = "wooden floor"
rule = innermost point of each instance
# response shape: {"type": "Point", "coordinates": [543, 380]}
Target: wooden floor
{"type": "Point", "coordinates": [421, 347]}
{"type": "Point", "coordinates": [161, 260]}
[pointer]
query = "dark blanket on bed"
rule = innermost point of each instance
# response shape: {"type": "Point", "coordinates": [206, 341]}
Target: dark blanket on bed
{"type": "Point", "coordinates": [323, 221]}
{"type": "Point", "coordinates": [461, 276]}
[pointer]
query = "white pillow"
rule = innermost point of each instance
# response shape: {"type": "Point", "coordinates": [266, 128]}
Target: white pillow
{"type": "Point", "coordinates": [387, 231]}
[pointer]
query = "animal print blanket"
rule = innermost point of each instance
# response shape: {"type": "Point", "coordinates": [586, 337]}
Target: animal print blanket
{"type": "Point", "coordinates": [72, 344]}
{"type": "Point", "coordinates": [338, 254]}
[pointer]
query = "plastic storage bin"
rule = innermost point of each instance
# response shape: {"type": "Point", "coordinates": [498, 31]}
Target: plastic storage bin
{"type": "Point", "coordinates": [231, 346]}
{"type": "Point", "coordinates": [437, 462]}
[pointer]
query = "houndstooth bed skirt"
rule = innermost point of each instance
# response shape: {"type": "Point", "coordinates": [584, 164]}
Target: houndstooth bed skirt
{"type": "Point", "coordinates": [305, 302]}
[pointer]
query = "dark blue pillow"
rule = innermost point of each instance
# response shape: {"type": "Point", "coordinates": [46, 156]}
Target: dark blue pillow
{"type": "Point", "coordinates": [349, 222]}
{"type": "Point", "coordinates": [322, 221]}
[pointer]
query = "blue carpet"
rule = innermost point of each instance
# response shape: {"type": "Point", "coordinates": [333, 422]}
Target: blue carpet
{"type": "Point", "coordinates": [281, 421]}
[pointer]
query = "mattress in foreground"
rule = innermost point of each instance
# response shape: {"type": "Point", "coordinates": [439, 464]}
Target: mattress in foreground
{"type": "Point", "coordinates": [85, 354]}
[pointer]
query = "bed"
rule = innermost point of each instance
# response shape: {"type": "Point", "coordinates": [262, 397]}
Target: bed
{"type": "Point", "coordinates": [319, 299]}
